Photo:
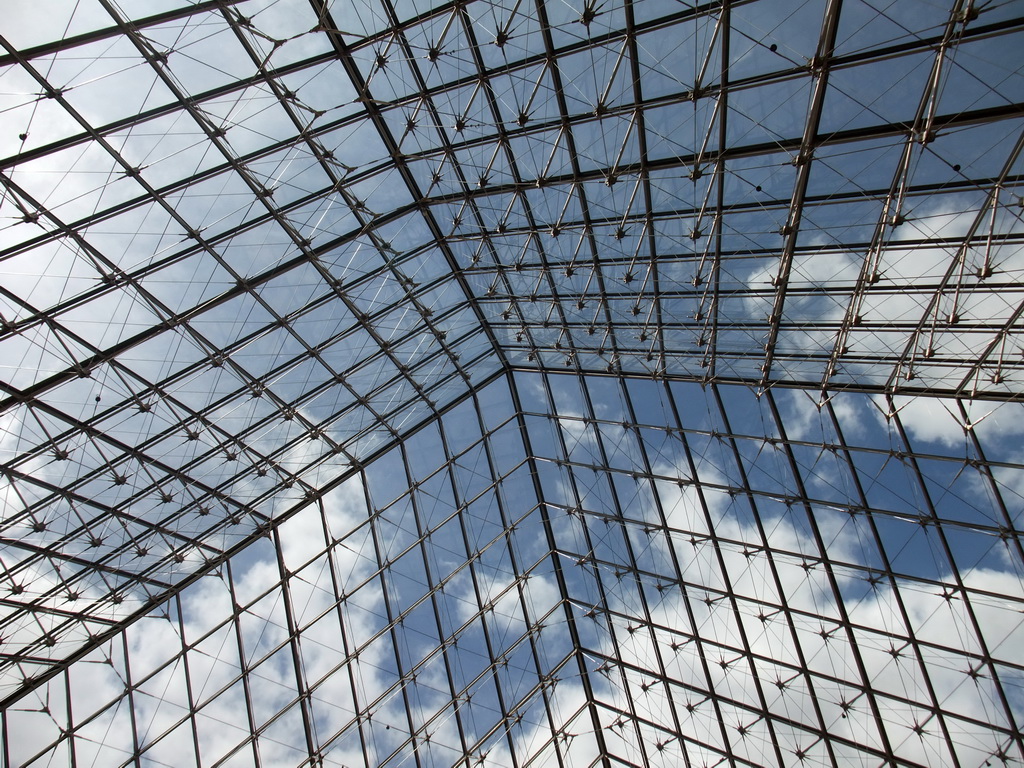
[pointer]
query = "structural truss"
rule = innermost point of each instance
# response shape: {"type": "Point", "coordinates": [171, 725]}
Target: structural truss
{"type": "Point", "coordinates": [520, 383]}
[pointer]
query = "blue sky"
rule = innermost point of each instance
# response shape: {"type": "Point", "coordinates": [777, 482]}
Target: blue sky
{"type": "Point", "coordinates": [527, 382]}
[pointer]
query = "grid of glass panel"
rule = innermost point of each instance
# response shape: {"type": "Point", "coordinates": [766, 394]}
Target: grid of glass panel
{"type": "Point", "coordinates": [762, 581]}
{"type": "Point", "coordinates": [535, 382]}
{"type": "Point", "coordinates": [398, 619]}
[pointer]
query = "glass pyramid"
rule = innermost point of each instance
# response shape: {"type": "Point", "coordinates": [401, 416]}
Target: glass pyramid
{"type": "Point", "coordinates": [531, 383]}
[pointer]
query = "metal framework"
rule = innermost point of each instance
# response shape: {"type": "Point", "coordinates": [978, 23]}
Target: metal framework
{"type": "Point", "coordinates": [540, 382]}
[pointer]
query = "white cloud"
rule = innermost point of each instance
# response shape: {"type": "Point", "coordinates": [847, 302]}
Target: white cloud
{"type": "Point", "coordinates": [939, 420]}
{"type": "Point", "coordinates": [809, 592]}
